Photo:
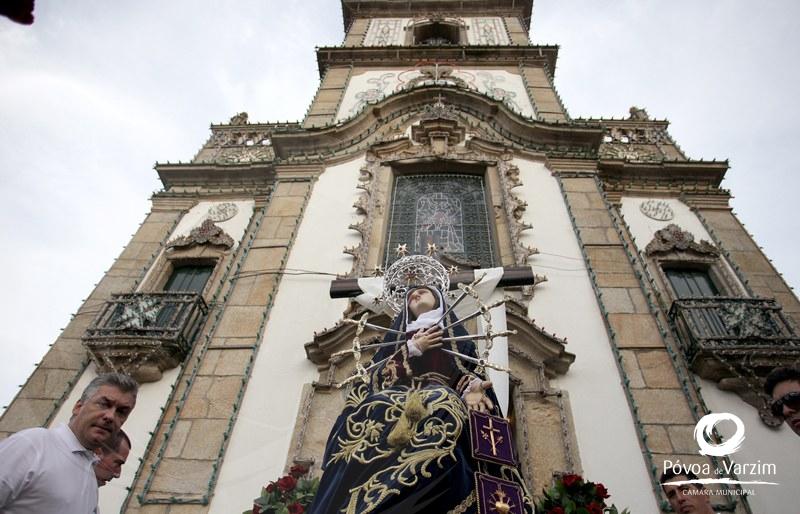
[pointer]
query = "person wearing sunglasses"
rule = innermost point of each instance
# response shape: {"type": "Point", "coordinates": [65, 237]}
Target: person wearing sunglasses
{"type": "Point", "coordinates": [783, 385]}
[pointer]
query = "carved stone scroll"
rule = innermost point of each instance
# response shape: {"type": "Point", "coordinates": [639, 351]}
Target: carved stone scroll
{"type": "Point", "coordinates": [674, 238]}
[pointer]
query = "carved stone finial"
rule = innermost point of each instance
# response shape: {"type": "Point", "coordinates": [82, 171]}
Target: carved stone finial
{"type": "Point", "coordinates": [239, 119]}
{"type": "Point", "coordinates": [207, 233]}
{"type": "Point", "coordinates": [672, 238]}
{"type": "Point", "coordinates": [639, 113]}
{"type": "Point", "coordinates": [401, 250]}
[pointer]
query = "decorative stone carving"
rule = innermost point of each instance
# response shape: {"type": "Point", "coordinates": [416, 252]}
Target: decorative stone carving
{"type": "Point", "coordinates": [513, 207]}
{"type": "Point", "coordinates": [638, 113]}
{"type": "Point", "coordinates": [439, 111]}
{"type": "Point", "coordinates": [229, 145]}
{"type": "Point", "coordinates": [631, 152]}
{"type": "Point", "coordinates": [246, 154]}
{"type": "Point", "coordinates": [657, 210]}
{"type": "Point", "coordinates": [673, 238]}
{"type": "Point", "coordinates": [384, 32]}
{"type": "Point", "coordinates": [487, 31]}
{"type": "Point", "coordinates": [206, 233]}
{"type": "Point", "coordinates": [222, 211]}
{"type": "Point", "coordinates": [239, 119]}
{"type": "Point", "coordinates": [642, 135]}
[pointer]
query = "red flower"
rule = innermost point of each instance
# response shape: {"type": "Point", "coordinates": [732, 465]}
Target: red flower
{"type": "Point", "coordinates": [570, 480]}
{"type": "Point", "coordinates": [298, 470]}
{"type": "Point", "coordinates": [556, 510]}
{"type": "Point", "coordinates": [271, 487]}
{"type": "Point", "coordinates": [296, 508]}
{"type": "Point", "coordinates": [256, 509]}
{"type": "Point", "coordinates": [594, 508]}
{"type": "Point", "coordinates": [600, 491]}
{"type": "Point", "coordinates": [287, 483]}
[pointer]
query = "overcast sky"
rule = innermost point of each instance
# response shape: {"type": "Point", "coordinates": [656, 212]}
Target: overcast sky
{"type": "Point", "coordinates": [96, 92]}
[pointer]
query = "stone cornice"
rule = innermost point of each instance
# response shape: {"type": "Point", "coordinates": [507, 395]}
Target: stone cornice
{"type": "Point", "coordinates": [213, 174]}
{"type": "Point", "coordinates": [464, 55]}
{"type": "Point", "coordinates": [677, 171]}
{"type": "Point", "coordinates": [352, 9]}
{"type": "Point", "coordinates": [555, 138]}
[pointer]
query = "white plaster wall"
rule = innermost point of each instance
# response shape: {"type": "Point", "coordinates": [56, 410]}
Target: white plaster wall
{"type": "Point", "coordinates": [486, 31]}
{"type": "Point", "coordinates": [234, 227]}
{"type": "Point", "coordinates": [644, 228]}
{"type": "Point", "coordinates": [387, 32]}
{"type": "Point", "coordinates": [143, 420]}
{"type": "Point", "coordinates": [761, 444]}
{"type": "Point", "coordinates": [480, 31]}
{"type": "Point", "coordinates": [260, 439]}
{"type": "Point", "coordinates": [566, 305]}
{"type": "Point", "coordinates": [373, 85]}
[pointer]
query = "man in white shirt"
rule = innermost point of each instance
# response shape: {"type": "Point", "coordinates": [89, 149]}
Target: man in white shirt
{"type": "Point", "coordinates": [51, 470]}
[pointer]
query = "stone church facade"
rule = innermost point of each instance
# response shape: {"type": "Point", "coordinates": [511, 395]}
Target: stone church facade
{"type": "Point", "coordinates": [647, 304]}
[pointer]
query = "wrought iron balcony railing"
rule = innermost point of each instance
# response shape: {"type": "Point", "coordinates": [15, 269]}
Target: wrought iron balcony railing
{"type": "Point", "coordinates": [731, 323]}
{"type": "Point", "coordinates": [726, 337]}
{"type": "Point", "coordinates": [143, 334]}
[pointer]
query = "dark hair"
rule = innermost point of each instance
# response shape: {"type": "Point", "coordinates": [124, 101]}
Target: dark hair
{"type": "Point", "coordinates": [670, 473]}
{"type": "Point", "coordinates": [778, 375]}
{"type": "Point", "coordinates": [115, 443]}
{"type": "Point", "coordinates": [123, 382]}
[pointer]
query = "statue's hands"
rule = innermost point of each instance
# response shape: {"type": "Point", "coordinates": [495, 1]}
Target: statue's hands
{"type": "Point", "coordinates": [428, 339]}
{"type": "Point", "coordinates": [475, 396]}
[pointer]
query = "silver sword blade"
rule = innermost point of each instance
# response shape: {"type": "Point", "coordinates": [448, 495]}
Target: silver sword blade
{"type": "Point", "coordinates": [475, 314]}
{"type": "Point", "coordinates": [376, 327]}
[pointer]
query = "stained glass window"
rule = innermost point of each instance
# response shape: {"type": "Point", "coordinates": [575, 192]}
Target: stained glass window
{"type": "Point", "coordinates": [448, 210]}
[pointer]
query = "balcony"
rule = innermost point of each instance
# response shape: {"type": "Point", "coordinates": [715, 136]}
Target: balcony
{"type": "Point", "coordinates": [144, 334]}
{"type": "Point", "coordinates": [735, 341]}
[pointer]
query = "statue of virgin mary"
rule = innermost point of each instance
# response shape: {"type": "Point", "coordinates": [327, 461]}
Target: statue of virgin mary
{"type": "Point", "coordinates": [401, 444]}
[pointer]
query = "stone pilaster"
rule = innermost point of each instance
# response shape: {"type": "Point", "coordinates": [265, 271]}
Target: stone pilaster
{"type": "Point", "coordinates": [661, 401]}
{"type": "Point", "coordinates": [54, 377]}
{"type": "Point", "coordinates": [182, 464]}
{"type": "Point", "coordinates": [761, 276]}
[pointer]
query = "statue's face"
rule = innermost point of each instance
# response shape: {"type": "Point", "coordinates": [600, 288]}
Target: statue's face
{"type": "Point", "coordinates": [421, 300]}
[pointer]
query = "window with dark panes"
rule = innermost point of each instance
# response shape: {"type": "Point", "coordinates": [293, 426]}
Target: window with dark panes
{"type": "Point", "coordinates": [189, 278]}
{"type": "Point", "coordinates": [448, 210]}
{"type": "Point", "coordinates": [694, 283]}
{"type": "Point", "coordinates": [691, 283]}
{"type": "Point", "coordinates": [184, 279]}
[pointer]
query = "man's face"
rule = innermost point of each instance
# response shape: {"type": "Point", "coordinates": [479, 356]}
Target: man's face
{"type": "Point", "coordinates": [684, 498]}
{"type": "Point", "coordinates": [791, 413]}
{"type": "Point", "coordinates": [110, 464]}
{"type": "Point", "coordinates": [421, 300]}
{"type": "Point", "coordinates": [95, 421]}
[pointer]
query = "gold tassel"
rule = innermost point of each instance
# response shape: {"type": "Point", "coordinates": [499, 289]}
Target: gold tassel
{"type": "Point", "coordinates": [413, 411]}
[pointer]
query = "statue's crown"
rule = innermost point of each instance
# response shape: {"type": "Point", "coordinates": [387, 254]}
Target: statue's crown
{"type": "Point", "coordinates": [412, 271]}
